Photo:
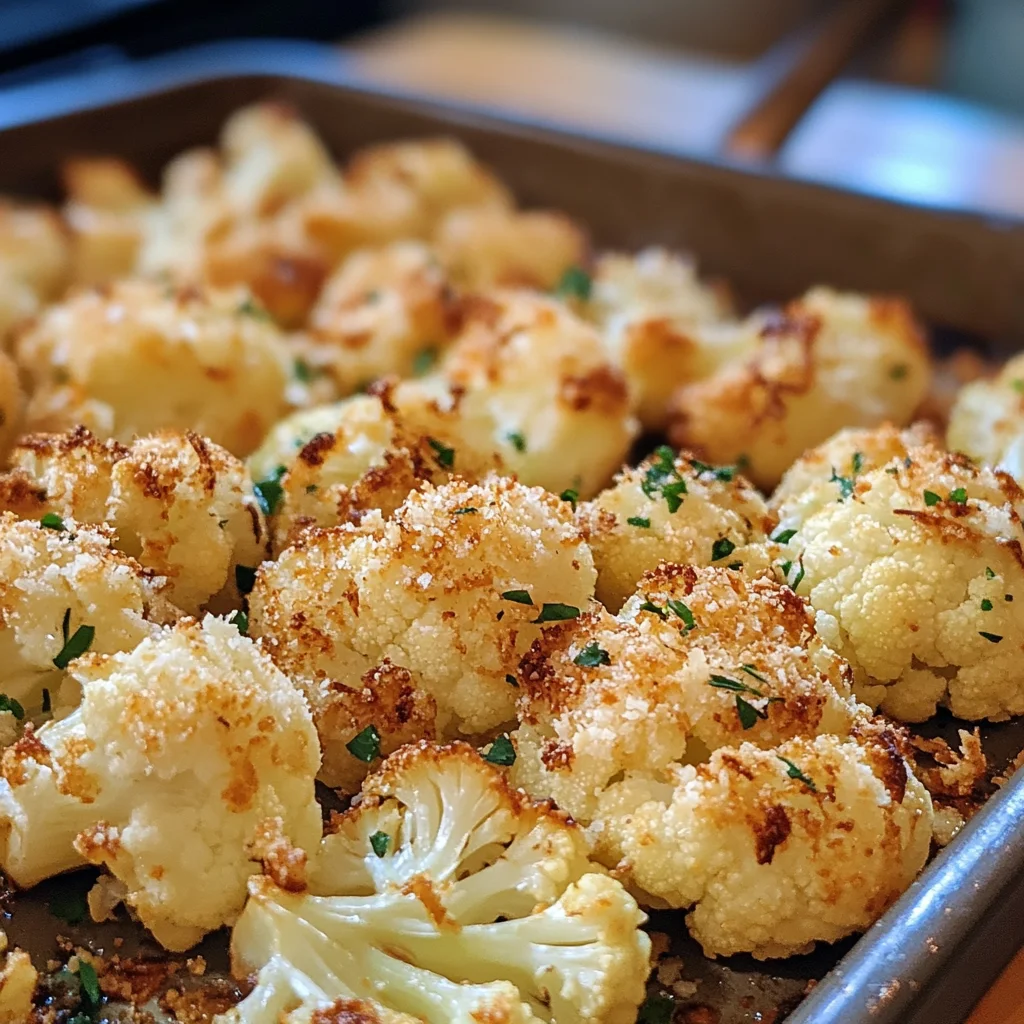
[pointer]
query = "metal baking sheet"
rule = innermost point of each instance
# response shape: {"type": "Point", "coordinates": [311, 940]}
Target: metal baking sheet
{"type": "Point", "coordinates": [940, 947]}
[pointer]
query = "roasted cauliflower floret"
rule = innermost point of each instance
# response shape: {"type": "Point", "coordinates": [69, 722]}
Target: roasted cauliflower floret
{"type": "Point", "coordinates": [778, 849]}
{"type": "Point", "coordinates": [180, 759]}
{"type": "Point", "coordinates": [663, 326]}
{"type": "Point", "coordinates": [987, 420]}
{"type": "Point", "coordinates": [139, 357]}
{"type": "Point", "coordinates": [183, 506]}
{"type": "Point", "coordinates": [17, 987]}
{"type": "Point", "coordinates": [12, 403]}
{"type": "Point", "coordinates": [699, 659]}
{"type": "Point", "coordinates": [914, 573]}
{"type": "Point", "coordinates": [453, 587]}
{"type": "Point", "coordinates": [490, 246]}
{"type": "Point", "coordinates": [829, 361]}
{"type": "Point", "coordinates": [65, 591]}
{"type": "Point", "coordinates": [673, 508]}
{"type": "Point", "coordinates": [529, 378]}
{"type": "Point", "coordinates": [490, 899]}
{"type": "Point", "coordinates": [33, 260]}
{"type": "Point", "coordinates": [384, 311]}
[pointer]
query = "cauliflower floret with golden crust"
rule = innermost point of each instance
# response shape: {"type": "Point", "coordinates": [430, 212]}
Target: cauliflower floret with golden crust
{"type": "Point", "coordinates": [529, 378]}
{"type": "Point", "coordinates": [829, 361]}
{"type": "Point", "coordinates": [486, 247]}
{"type": "Point", "coordinates": [137, 357]}
{"type": "Point", "coordinates": [33, 260]}
{"type": "Point", "coordinates": [491, 899]}
{"type": "Point", "coordinates": [662, 325]}
{"type": "Point", "coordinates": [182, 759]}
{"type": "Point", "coordinates": [183, 506]}
{"type": "Point", "coordinates": [673, 508]}
{"type": "Point", "coordinates": [17, 987]}
{"type": "Point", "coordinates": [699, 659]}
{"type": "Point", "coordinates": [454, 587]}
{"type": "Point", "coordinates": [914, 572]}
{"type": "Point", "coordinates": [382, 312]}
{"type": "Point", "coordinates": [63, 591]}
{"type": "Point", "coordinates": [987, 420]}
{"type": "Point", "coordinates": [778, 849]}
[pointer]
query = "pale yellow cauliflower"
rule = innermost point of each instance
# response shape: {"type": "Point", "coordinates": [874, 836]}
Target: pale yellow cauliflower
{"type": "Point", "coordinates": [830, 360]}
{"type": "Point", "coordinates": [987, 420]}
{"type": "Point", "coordinates": [181, 505]}
{"type": "Point", "coordinates": [914, 571]}
{"type": "Point", "coordinates": [663, 326]}
{"type": "Point", "coordinates": [64, 590]}
{"type": "Point", "coordinates": [673, 508]}
{"type": "Point", "coordinates": [186, 762]}
{"type": "Point", "coordinates": [453, 587]}
{"type": "Point", "coordinates": [137, 357]}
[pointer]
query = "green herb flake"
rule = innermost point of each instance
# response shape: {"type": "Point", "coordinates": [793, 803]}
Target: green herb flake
{"type": "Point", "coordinates": [555, 612]}
{"type": "Point", "coordinates": [76, 645]}
{"type": "Point", "coordinates": [683, 612]}
{"type": "Point", "coordinates": [468, 510]}
{"type": "Point", "coordinates": [794, 773]}
{"type": "Point", "coordinates": [575, 283]}
{"type": "Point", "coordinates": [365, 746]}
{"type": "Point", "coordinates": [723, 473]}
{"type": "Point", "coordinates": [931, 499]}
{"type": "Point", "coordinates": [52, 521]}
{"type": "Point", "coordinates": [748, 714]}
{"type": "Point", "coordinates": [512, 681]}
{"type": "Point", "coordinates": [379, 843]}
{"type": "Point", "coordinates": [722, 548]}
{"type": "Point", "coordinates": [662, 477]}
{"type": "Point", "coordinates": [591, 656]}
{"type": "Point", "coordinates": [245, 578]}
{"type": "Point", "coordinates": [269, 491]}
{"type": "Point", "coordinates": [989, 573]}
{"type": "Point", "coordinates": [69, 905]}
{"type": "Point", "coordinates": [657, 1009]}
{"type": "Point", "coordinates": [799, 577]}
{"type": "Point", "coordinates": [250, 307]}
{"type": "Point", "coordinates": [642, 521]}
{"type": "Point", "coordinates": [648, 606]}
{"type": "Point", "coordinates": [899, 371]}
{"type": "Point", "coordinates": [986, 604]}
{"type": "Point", "coordinates": [90, 983]}
{"type": "Point", "coordinates": [445, 456]}
{"type": "Point", "coordinates": [303, 372]}
{"type": "Point", "coordinates": [10, 704]}
{"type": "Point", "coordinates": [424, 362]}
{"type": "Point", "coordinates": [517, 440]}
{"type": "Point", "coordinates": [844, 483]}
{"type": "Point", "coordinates": [517, 597]}
{"type": "Point", "coordinates": [958, 496]}
{"type": "Point", "coordinates": [735, 565]}
{"type": "Point", "coordinates": [752, 671]}
{"type": "Point", "coordinates": [501, 752]}
{"type": "Point", "coordinates": [857, 462]}
{"type": "Point", "coordinates": [721, 682]}
{"type": "Point", "coordinates": [240, 621]}
{"type": "Point", "coordinates": [992, 638]}
{"type": "Point", "coordinates": [784, 536]}
{"type": "Point", "coordinates": [571, 496]}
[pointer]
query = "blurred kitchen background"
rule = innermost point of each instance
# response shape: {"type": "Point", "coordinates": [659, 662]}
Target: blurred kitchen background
{"type": "Point", "coordinates": [921, 100]}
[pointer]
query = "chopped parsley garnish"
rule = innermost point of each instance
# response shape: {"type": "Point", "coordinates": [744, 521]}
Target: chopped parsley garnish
{"type": "Point", "coordinates": [555, 612]}
{"type": "Point", "coordinates": [722, 548]}
{"type": "Point", "coordinates": [751, 671]}
{"type": "Point", "coordinates": [958, 496]}
{"type": "Point", "coordinates": [512, 681]}
{"type": "Point", "coordinates": [241, 621]}
{"type": "Point", "coordinates": [501, 752]}
{"type": "Point", "coordinates": [445, 456]}
{"type": "Point", "coordinates": [784, 536]}
{"type": "Point", "coordinates": [641, 521]}
{"type": "Point", "coordinates": [794, 773]}
{"type": "Point", "coordinates": [845, 484]}
{"type": "Point", "coordinates": [989, 573]}
{"type": "Point", "coordinates": [10, 704]}
{"type": "Point", "coordinates": [517, 440]}
{"type": "Point", "coordinates": [468, 510]}
{"type": "Point", "coordinates": [269, 491]}
{"type": "Point", "coordinates": [857, 462]}
{"type": "Point", "coordinates": [747, 712]}
{"type": "Point", "coordinates": [663, 478]}
{"type": "Point", "coordinates": [379, 843]}
{"type": "Point", "coordinates": [657, 1009]}
{"type": "Point", "coordinates": [46, 700]}
{"type": "Point", "coordinates": [986, 604]}
{"type": "Point", "coordinates": [683, 612]}
{"type": "Point", "coordinates": [517, 596]}
{"type": "Point", "coordinates": [723, 473]}
{"type": "Point", "coordinates": [90, 985]}
{"type": "Point", "coordinates": [245, 578]}
{"type": "Point", "coordinates": [725, 683]}
{"type": "Point", "coordinates": [931, 498]}
{"type": "Point", "coordinates": [304, 373]}
{"type": "Point", "coordinates": [591, 656]}
{"type": "Point", "coordinates": [251, 308]}
{"type": "Point", "coordinates": [992, 638]}
{"type": "Point", "coordinates": [571, 496]}
{"type": "Point", "coordinates": [76, 645]}
{"type": "Point", "coordinates": [52, 521]}
{"type": "Point", "coordinates": [899, 371]}
{"type": "Point", "coordinates": [735, 565]}
{"type": "Point", "coordinates": [648, 606]}
{"type": "Point", "coordinates": [787, 566]}
{"type": "Point", "coordinates": [365, 746]}
{"type": "Point", "coordinates": [424, 361]}
{"type": "Point", "coordinates": [575, 283]}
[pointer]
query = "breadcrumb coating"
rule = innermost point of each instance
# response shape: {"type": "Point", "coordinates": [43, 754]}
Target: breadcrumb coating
{"type": "Point", "coordinates": [830, 360]}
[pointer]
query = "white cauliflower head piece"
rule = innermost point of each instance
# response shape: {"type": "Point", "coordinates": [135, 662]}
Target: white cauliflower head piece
{"type": "Point", "coordinates": [490, 899]}
{"type": "Point", "coordinates": [453, 587]}
{"type": "Point", "coordinates": [180, 759]}
{"type": "Point", "coordinates": [829, 361]}
{"type": "Point", "coordinates": [913, 568]}
{"type": "Point", "coordinates": [673, 508]}
{"type": "Point", "coordinates": [180, 504]}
